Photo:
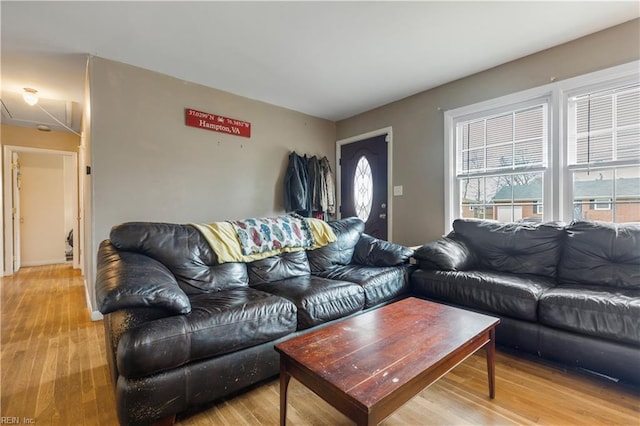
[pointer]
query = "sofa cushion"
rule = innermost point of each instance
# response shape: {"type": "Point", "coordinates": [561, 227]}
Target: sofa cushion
{"type": "Point", "coordinates": [183, 250]}
{"type": "Point", "coordinates": [219, 323]}
{"type": "Point", "coordinates": [601, 253]}
{"type": "Point", "coordinates": [518, 248]}
{"type": "Point", "coordinates": [133, 280]}
{"type": "Point", "coordinates": [317, 299]}
{"type": "Point", "coordinates": [447, 254]}
{"type": "Point", "coordinates": [512, 295]}
{"type": "Point", "coordinates": [380, 284]}
{"type": "Point", "coordinates": [371, 251]}
{"type": "Point", "coordinates": [340, 252]}
{"type": "Point", "coordinates": [280, 267]}
{"type": "Point", "coordinates": [599, 311]}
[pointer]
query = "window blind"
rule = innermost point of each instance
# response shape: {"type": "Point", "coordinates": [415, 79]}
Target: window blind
{"type": "Point", "coordinates": [510, 141]}
{"type": "Point", "coordinates": [607, 126]}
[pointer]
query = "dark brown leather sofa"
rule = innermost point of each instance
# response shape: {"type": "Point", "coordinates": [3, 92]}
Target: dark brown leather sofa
{"type": "Point", "coordinates": [567, 293]}
{"type": "Point", "coordinates": [183, 330]}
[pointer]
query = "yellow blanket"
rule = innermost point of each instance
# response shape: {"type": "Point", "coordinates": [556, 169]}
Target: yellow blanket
{"type": "Point", "coordinates": [223, 239]}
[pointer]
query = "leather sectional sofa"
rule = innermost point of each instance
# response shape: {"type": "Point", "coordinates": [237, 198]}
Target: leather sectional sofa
{"type": "Point", "coordinates": [567, 293]}
{"type": "Point", "coordinates": [183, 329]}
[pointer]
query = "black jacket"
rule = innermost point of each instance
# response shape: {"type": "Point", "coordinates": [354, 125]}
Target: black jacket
{"type": "Point", "coordinates": [296, 185]}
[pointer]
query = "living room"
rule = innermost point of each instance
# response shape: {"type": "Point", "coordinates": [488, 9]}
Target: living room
{"type": "Point", "coordinates": [140, 150]}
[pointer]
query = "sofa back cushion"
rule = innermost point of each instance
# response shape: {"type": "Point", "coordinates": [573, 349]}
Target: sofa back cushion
{"type": "Point", "coordinates": [340, 252]}
{"type": "Point", "coordinates": [184, 251]}
{"type": "Point", "coordinates": [371, 251]}
{"type": "Point", "coordinates": [279, 267]}
{"type": "Point", "coordinates": [519, 248]}
{"type": "Point", "coordinates": [601, 253]}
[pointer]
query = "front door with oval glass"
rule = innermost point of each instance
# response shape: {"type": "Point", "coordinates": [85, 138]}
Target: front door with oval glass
{"type": "Point", "coordinates": [363, 183]}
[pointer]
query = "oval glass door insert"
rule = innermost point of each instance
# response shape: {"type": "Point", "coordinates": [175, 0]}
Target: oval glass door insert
{"type": "Point", "coordinates": [363, 189]}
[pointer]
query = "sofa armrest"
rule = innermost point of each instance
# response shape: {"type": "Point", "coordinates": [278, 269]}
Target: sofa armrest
{"type": "Point", "coordinates": [126, 280]}
{"type": "Point", "coordinates": [371, 251]}
{"type": "Point", "coordinates": [447, 254]}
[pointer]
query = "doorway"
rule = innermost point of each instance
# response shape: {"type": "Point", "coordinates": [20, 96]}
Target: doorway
{"type": "Point", "coordinates": [41, 207]}
{"type": "Point", "coordinates": [364, 167]}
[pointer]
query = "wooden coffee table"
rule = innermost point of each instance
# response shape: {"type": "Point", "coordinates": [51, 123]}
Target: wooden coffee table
{"type": "Point", "coordinates": [369, 365]}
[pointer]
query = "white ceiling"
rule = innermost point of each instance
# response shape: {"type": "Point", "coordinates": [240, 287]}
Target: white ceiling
{"type": "Point", "coordinates": [327, 59]}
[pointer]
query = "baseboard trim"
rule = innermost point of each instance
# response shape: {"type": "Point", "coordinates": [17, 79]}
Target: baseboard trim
{"type": "Point", "coordinates": [43, 262]}
{"type": "Point", "coordinates": [95, 315]}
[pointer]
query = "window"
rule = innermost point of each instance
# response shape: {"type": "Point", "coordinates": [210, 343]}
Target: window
{"type": "Point", "coordinates": [604, 151]}
{"type": "Point", "coordinates": [363, 189]}
{"type": "Point", "coordinates": [537, 208]}
{"type": "Point", "coordinates": [500, 162]}
{"type": "Point", "coordinates": [601, 205]}
{"type": "Point", "coordinates": [567, 150]}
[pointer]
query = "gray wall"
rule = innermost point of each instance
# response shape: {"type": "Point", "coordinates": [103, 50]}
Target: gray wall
{"type": "Point", "coordinates": [418, 121]}
{"type": "Point", "coordinates": [148, 166]}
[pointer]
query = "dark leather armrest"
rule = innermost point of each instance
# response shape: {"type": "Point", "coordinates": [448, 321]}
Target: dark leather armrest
{"type": "Point", "coordinates": [447, 254]}
{"type": "Point", "coordinates": [371, 251]}
{"type": "Point", "coordinates": [132, 280]}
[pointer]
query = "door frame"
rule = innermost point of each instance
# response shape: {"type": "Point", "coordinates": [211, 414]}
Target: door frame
{"type": "Point", "coordinates": [8, 152]}
{"type": "Point", "coordinates": [15, 211]}
{"type": "Point", "coordinates": [384, 131]}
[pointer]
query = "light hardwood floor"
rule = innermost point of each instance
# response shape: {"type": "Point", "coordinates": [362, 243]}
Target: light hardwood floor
{"type": "Point", "coordinates": [54, 372]}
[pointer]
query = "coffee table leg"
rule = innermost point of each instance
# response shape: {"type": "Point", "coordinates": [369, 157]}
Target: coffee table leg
{"type": "Point", "coordinates": [491, 352]}
{"type": "Point", "coordinates": [284, 384]}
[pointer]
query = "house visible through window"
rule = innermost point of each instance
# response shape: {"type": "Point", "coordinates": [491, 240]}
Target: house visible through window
{"type": "Point", "coordinates": [537, 208]}
{"type": "Point", "coordinates": [567, 150]}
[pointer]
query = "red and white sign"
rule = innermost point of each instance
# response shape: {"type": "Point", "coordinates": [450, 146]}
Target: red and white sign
{"type": "Point", "coordinates": [217, 123]}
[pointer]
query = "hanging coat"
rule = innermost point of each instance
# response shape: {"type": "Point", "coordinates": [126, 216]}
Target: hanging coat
{"type": "Point", "coordinates": [315, 184]}
{"type": "Point", "coordinates": [329, 196]}
{"type": "Point", "coordinates": [296, 185]}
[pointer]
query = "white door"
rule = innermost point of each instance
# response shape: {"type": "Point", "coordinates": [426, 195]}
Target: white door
{"type": "Point", "coordinates": [15, 214]}
{"type": "Point", "coordinates": [47, 213]}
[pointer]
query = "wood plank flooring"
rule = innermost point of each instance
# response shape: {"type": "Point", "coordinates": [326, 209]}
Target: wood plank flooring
{"type": "Point", "coordinates": [53, 371]}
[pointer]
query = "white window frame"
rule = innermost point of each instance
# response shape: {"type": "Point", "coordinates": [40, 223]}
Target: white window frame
{"type": "Point", "coordinates": [604, 204]}
{"type": "Point", "coordinates": [558, 176]}
{"type": "Point", "coordinates": [507, 103]}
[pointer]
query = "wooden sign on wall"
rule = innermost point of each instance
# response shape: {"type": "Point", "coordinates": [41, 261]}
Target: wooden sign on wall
{"type": "Point", "coordinates": [217, 123]}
